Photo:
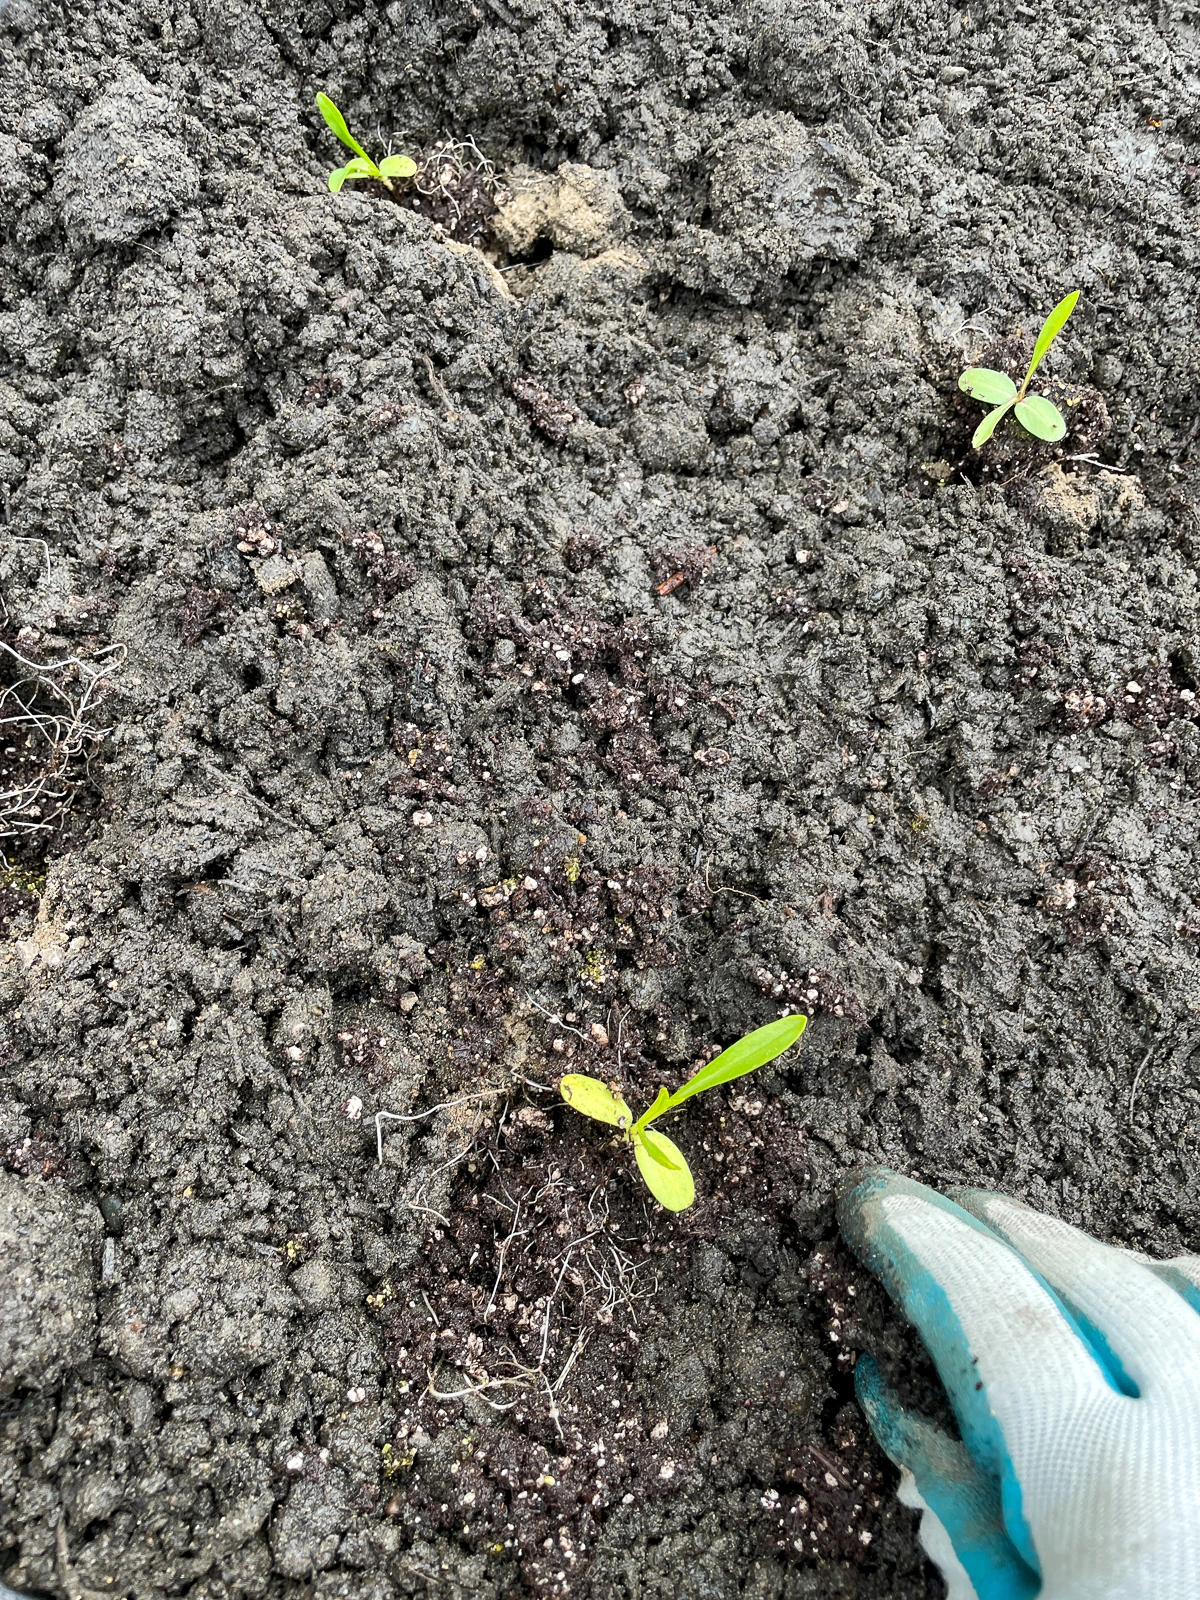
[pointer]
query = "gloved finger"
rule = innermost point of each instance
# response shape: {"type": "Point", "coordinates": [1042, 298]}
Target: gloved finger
{"type": "Point", "coordinates": [963, 1526]}
{"type": "Point", "coordinates": [1142, 1327]}
{"type": "Point", "coordinates": [1011, 1359]}
{"type": "Point", "coordinates": [1181, 1272]}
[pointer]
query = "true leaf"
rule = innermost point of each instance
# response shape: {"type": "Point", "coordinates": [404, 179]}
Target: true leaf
{"type": "Point", "coordinates": [1051, 328]}
{"type": "Point", "coordinates": [656, 1145]}
{"type": "Point", "coordinates": [594, 1099]}
{"type": "Point", "coordinates": [397, 167]}
{"type": "Point", "coordinates": [336, 124]}
{"type": "Point", "coordinates": [749, 1053]}
{"type": "Point", "coordinates": [987, 427]}
{"type": "Point", "coordinates": [665, 1171]}
{"type": "Point", "coordinates": [993, 388]}
{"type": "Point", "coordinates": [1039, 416]}
{"type": "Point", "coordinates": [662, 1102]}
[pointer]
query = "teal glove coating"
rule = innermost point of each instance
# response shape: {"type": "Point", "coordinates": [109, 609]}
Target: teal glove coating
{"type": "Point", "coordinates": [1073, 1369]}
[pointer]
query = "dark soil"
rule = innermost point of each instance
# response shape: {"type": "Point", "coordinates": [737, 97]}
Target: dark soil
{"type": "Point", "coordinates": [571, 654]}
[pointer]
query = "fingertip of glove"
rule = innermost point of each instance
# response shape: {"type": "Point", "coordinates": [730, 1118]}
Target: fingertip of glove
{"type": "Point", "coordinates": [859, 1199]}
{"type": "Point", "coordinates": [858, 1189]}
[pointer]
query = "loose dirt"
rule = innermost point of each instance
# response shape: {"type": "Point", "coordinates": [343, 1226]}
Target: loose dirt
{"type": "Point", "coordinates": [562, 637]}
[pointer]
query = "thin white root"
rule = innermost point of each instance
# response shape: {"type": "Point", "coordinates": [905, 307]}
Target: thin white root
{"type": "Point", "coordinates": [46, 725]}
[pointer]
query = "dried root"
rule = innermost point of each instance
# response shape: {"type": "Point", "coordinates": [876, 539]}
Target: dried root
{"type": "Point", "coordinates": [47, 731]}
{"type": "Point", "coordinates": [456, 187]}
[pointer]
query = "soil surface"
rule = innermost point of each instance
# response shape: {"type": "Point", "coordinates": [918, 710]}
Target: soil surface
{"type": "Point", "coordinates": [447, 646]}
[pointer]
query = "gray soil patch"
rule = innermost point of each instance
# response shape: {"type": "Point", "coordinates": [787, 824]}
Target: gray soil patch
{"type": "Point", "coordinates": [564, 638]}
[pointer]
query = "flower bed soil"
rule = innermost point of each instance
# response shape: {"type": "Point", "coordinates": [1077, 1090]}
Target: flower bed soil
{"type": "Point", "coordinates": [568, 653]}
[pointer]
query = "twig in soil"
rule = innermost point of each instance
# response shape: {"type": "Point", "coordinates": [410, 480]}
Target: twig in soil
{"type": "Point", "coordinates": [1137, 1078]}
{"type": "Point", "coordinates": [71, 1586]}
{"type": "Point", "coordinates": [241, 788]}
{"type": "Point", "coordinates": [829, 1466]}
{"type": "Point", "coordinates": [438, 387]}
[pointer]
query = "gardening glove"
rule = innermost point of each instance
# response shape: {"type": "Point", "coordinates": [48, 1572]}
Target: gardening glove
{"type": "Point", "coordinates": [1073, 1368]}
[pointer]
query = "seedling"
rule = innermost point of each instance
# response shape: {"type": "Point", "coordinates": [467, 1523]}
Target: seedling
{"type": "Point", "coordinates": [362, 166]}
{"type": "Point", "coordinates": [660, 1162]}
{"type": "Point", "coordinates": [1034, 412]}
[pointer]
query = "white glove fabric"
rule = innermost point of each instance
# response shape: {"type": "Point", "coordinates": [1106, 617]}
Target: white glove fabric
{"type": "Point", "coordinates": [1073, 1368]}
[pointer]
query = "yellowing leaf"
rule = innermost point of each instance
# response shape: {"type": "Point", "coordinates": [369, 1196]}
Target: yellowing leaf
{"type": "Point", "coordinates": [594, 1099]}
{"type": "Point", "coordinates": [667, 1174]}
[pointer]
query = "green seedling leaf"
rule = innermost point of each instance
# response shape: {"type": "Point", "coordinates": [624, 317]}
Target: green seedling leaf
{"type": "Point", "coordinates": [1051, 329]}
{"type": "Point", "coordinates": [660, 1162]}
{"type": "Point", "coordinates": [662, 1102]}
{"type": "Point", "coordinates": [594, 1099]}
{"type": "Point", "coordinates": [360, 167]}
{"type": "Point", "coordinates": [993, 388]}
{"type": "Point", "coordinates": [665, 1171]}
{"type": "Point", "coordinates": [397, 167]}
{"type": "Point", "coordinates": [988, 426]}
{"type": "Point", "coordinates": [1041, 417]}
{"type": "Point", "coordinates": [336, 123]}
{"type": "Point", "coordinates": [747, 1055]}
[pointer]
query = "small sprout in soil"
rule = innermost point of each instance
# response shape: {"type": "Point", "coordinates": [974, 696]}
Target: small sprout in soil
{"type": "Point", "coordinates": [362, 166]}
{"type": "Point", "coordinates": [1034, 412]}
{"type": "Point", "coordinates": [660, 1162]}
